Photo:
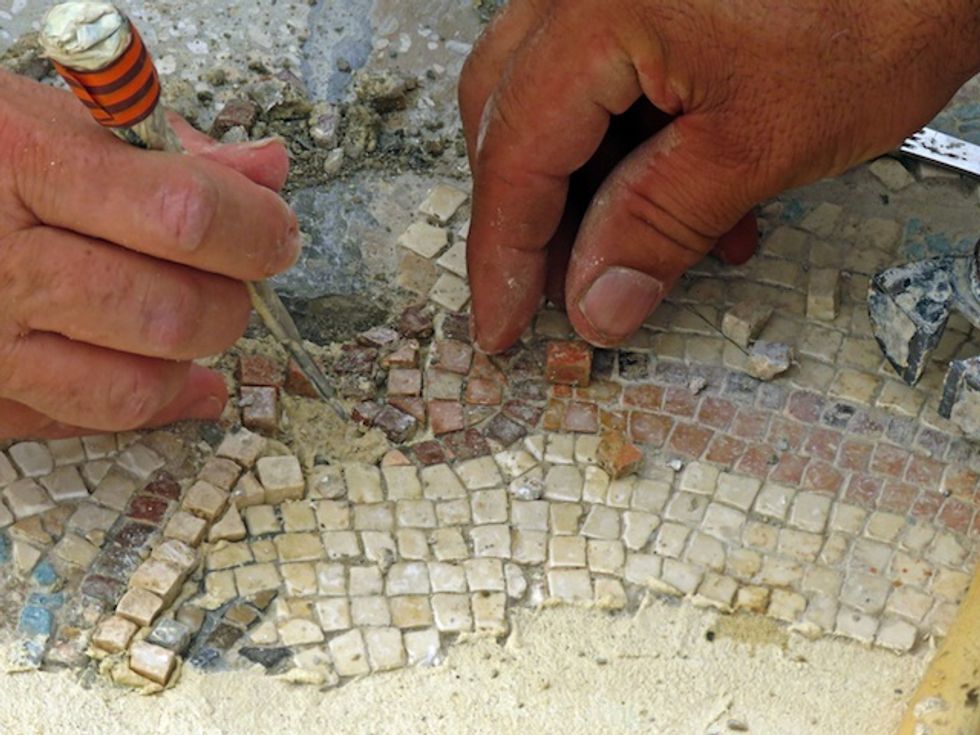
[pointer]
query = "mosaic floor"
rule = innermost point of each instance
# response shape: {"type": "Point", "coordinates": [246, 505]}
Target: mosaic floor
{"type": "Point", "coordinates": [833, 498]}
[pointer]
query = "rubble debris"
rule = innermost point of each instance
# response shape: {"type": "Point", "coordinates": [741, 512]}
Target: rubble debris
{"type": "Point", "coordinates": [766, 360]}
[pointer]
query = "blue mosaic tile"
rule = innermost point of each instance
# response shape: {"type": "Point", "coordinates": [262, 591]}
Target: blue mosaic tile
{"type": "Point", "coordinates": [36, 621]}
{"type": "Point", "coordinates": [45, 575]}
{"type": "Point", "coordinates": [4, 549]}
{"type": "Point", "coordinates": [50, 601]}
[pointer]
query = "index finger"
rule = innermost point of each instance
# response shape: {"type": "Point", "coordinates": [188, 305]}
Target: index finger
{"type": "Point", "coordinates": [544, 121]}
{"type": "Point", "coordinates": [185, 209]}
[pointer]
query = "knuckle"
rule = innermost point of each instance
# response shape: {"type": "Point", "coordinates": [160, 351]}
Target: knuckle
{"type": "Point", "coordinates": [187, 206]}
{"type": "Point", "coordinates": [172, 320]}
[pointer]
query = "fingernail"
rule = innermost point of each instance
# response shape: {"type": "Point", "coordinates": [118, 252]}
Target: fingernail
{"type": "Point", "coordinates": [254, 145]}
{"type": "Point", "coordinates": [620, 300]}
{"type": "Point", "coordinates": [263, 142]}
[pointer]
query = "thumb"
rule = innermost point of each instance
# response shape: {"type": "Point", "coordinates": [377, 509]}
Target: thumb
{"type": "Point", "coordinates": [660, 211]}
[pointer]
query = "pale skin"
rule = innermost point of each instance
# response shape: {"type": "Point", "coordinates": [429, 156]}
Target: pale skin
{"type": "Point", "coordinates": [119, 267]}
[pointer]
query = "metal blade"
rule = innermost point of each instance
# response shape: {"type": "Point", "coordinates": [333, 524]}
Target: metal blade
{"type": "Point", "coordinates": [270, 308]}
{"type": "Point", "coordinates": [944, 150]}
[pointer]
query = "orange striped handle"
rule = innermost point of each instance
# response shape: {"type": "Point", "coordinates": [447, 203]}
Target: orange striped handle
{"type": "Point", "coordinates": [121, 94]}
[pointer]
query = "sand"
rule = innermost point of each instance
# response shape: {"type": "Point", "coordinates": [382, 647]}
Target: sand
{"type": "Point", "coordinates": [563, 670]}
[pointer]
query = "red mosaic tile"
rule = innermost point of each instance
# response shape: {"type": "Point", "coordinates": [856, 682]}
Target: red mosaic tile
{"type": "Point", "coordinates": [505, 431]}
{"type": "Point", "coordinates": [260, 408]}
{"type": "Point", "coordinates": [897, 496]}
{"type": "Point", "coordinates": [957, 516]}
{"type": "Point", "coordinates": [600, 391]}
{"type": "Point", "coordinates": [364, 412]}
{"type": "Point", "coordinates": [617, 456]}
{"type": "Point", "coordinates": [690, 440]}
{"type": "Point", "coordinates": [787, 433]}
{"type": "Point", "coordinates": [717, 412]}
{"type": "Point", "coordinates": [866, 425]}
{"type": "Point", "coordinates": [757, 461]}
{"type": "Point", "coordinates": [467, 444]}
{"type": "Point", "coordinates": [297, 383]}
{"type": "Point", "coordinates": [259, 370]}
{"type": "Point", "coordinates": [823, 477]}
{"type": "Point", "coordinates": [582, 418]}
{"type": "Point", "coordinates": [926, 506]}
{"type": "Point", "coordinates": [413, 406]}
{"type": "Point", "coordinates": [855, 455]}
{"type": "Point", "coordinates": [613, 420]}
{"type": "Point", "coordinates": [805, 406]}
{"type": "Point", "coordinates": [789, 469]}
{"type": "Point", "coordinates": [649, 428]}
{"type": "Point", "coordinates": [415, 322]}
{"type": "Point", "coordinates": [569, 363]}
{"type": "Point", "coordinates": [960, 482]}
{"type": "Point", "coordinates": [457, 327]}
{"type": "Point", "coordinates": [751, 424]}
{"type": "Point", "coordinates": [164, 486]}
{"type": "Point", "coordinates": [484, 368]}
{"type": "Point", "coordinates": [483, 392]}
{"type": "Point", "coordinates": [429, 453]}
{"type": "Point", "coordinates": [934, 442]}
{"type": "Point", "coordinates": [446, 417]}
{"type": "Point", "coordinates": [725, 450]}
{"type": "Point", "coordinates": [404, 382]}
{"type": "Point", "coordinates": [562, 391]}
{"type": "Point", "coordinates": [356, 360]}
{"type": "Point", "coordinates": [147, 508]}
{"type": "Point", "coordinates": [378, 337]}
{"type": "Point", "coordinates": [553, 415]}
{"type": "Point", "coordinates": [924, 471]}
{"type": "Point", "coordinates": [680, 402]}
{"type": "Point", "coordinates": [823, 443]}
{"type": "Point", "coordinates": [523, 412]}
{"type": "Point", "coordinates": [889, 460]}
{"type": "Point", "coordinates": [650, 397]}
{"type": "Point", "coordinates": [452, 355]}
{"type": "Point", "coordinates": [397, 425]}
{"type": "Point", "coordinates": [406, 356]}
{"type": "Point", "coordinates": [863, 490]}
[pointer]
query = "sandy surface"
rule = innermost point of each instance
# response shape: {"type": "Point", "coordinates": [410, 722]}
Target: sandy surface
{"type": "Point", "coordinates": [564, 670]}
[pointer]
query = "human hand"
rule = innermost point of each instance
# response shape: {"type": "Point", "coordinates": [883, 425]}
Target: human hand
{"type": "Point", "coordinates": [119, 266]}
{"type": "Point", "coordinates": [752, 97]}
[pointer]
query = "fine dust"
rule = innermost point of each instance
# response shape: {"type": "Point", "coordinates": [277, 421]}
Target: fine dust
{"type": "Point", "coordinates": [315, 431]}
{"type": "Point", "coordinates": [567, 670]}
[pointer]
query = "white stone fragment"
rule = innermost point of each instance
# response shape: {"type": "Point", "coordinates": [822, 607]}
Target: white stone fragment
{"type": "Point", "coordinates": [442, 202]}
{"type": "Point", "coordinates": [141, 461]}
{"type": "Point", "coordinates": [65, 485]}
{"type": "Point", "coordinates": [823, 294]}
{"type": "Point", "coordinates": [744, 321]}
{"type": "Point", "coordinates": [65, 452]}
{"type": "Point", "coordinates": [282, 478]}
{"type": "Point", "coordinates": [32, 458]}
{"type": "Point", "coordinates": [450, 292]}
{"type": "Point", "coordinates": [424, 239]}
{"type": "Point", "coordinates": [891, 173]}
